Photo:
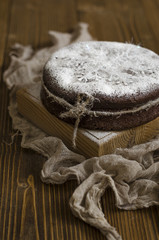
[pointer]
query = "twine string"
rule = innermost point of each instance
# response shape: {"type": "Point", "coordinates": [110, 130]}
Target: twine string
{"type": "Point", "coordinates": [83, 107]}
{"type": "Point", "coordinates": [77, 111]}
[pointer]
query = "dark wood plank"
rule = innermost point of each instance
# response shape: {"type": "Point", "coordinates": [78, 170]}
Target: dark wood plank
{"type": "Point", "coordinates": [30, 209]}
{"type": "Point", "coordinates": [5, 9]}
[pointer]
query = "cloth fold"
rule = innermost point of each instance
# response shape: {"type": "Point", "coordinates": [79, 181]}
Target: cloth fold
{"type": "Point", "coordinates": [131, 173]}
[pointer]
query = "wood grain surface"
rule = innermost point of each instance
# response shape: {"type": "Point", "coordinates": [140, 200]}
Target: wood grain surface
{"type": "Point", "coordinates": [29, 209]}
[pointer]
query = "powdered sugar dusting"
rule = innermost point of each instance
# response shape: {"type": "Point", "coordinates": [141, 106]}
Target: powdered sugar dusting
{"type": "Point", "coordinates": [107, 67]}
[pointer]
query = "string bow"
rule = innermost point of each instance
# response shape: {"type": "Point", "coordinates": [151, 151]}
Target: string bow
{"type": "Point", "coordinates": [77, 111]}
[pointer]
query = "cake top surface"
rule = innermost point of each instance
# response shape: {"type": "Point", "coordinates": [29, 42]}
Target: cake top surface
{"type": "Point", "coordinates": [111, 68]}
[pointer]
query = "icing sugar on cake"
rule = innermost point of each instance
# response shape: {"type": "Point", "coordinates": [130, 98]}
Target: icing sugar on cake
{"type": "Point", "coordinates": [110, 68]}
{"type": "Point", "coordinates": [102, 85]}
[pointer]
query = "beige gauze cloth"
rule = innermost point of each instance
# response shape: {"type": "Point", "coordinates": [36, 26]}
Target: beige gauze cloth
{"type": "Point", "coordinates": [132, 174]}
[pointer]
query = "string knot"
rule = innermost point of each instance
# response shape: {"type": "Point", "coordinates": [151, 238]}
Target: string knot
{"type": "Point", "coordinates": [77, 111]}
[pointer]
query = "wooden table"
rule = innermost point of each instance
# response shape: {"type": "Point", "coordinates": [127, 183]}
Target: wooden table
{"type": "Point", "coordinates": [30, 209]}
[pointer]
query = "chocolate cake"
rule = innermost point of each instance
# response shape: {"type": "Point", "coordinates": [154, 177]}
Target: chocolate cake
{"type": "Point", "coordinates": [103, 85]}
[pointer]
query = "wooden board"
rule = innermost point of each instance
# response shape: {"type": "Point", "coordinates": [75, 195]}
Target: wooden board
{"type": "Point", "coordinates": [88, 142]}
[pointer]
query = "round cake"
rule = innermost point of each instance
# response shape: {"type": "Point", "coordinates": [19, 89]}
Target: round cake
{"type": "Point", "coordinates": [105, 85]}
